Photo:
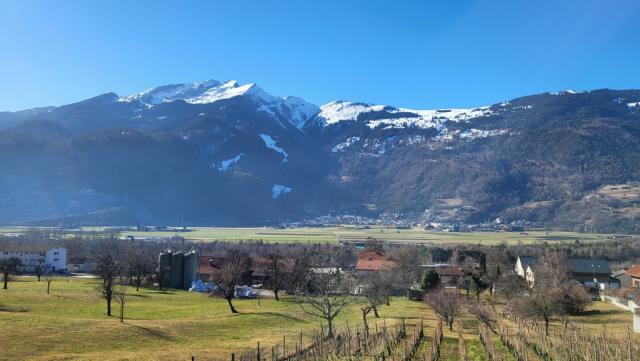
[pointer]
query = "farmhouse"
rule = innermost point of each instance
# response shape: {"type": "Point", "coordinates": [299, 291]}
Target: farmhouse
{"type": "Point", "coordinates": [257, 273]}
{"type": "Point", "coordinates": [522, 263]}
{"type": "Point", "coordinates": [452, 276]}
{"type": "Point", "coordinates": [31, 256]}
{"type": "Point", "coordinates": [371, 261]}
{"type": "Point", "coordinates": [589, 272]}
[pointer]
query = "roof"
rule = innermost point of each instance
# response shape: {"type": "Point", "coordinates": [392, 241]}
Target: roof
{"type": "Point", "coordinates": [28, 247]}
{"type": "Point", "coordinates": [634, 271]}
{"type": "Point", "coordinates": [259, 265]}
{"type": "Point", "coordinates": [372, 261]}
{"type": "Point", "coordinates": [590, 266]}
{"type": "Point", "coordinates": [527, 260]}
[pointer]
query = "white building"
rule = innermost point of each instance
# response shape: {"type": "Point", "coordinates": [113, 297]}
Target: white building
{"type": "Point", "coordinates": [54, 259]}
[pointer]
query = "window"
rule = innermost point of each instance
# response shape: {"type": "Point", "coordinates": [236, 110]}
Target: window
{"type": "Point", "coordinates": [55, 260]}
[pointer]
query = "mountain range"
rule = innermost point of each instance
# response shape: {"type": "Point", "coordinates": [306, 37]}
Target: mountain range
{"type": "Point", "coordinates": [222, 153]}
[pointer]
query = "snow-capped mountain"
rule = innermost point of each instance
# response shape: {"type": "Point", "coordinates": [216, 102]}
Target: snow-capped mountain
{"type": "Point", "coordinates": [295, 110]}
{"type": "Point", "coordinates": [388, 116]}
{"type": "Point", "coordinates": [227, 153]}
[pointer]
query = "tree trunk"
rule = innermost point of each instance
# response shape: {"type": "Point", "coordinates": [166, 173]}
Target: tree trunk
{"type": "Point", "coordinates": [109, 306]}
{"type": "Point", "coordinates": [121, 312]}
{"type": "Point", "coordinates": [6, 280]}
{"type": "Point", "coordinates": [450, 322]}
{"type": "Point", "coordinates": [233, 309]}
{"type": "Point", "coordinates": [38, 278]}
{"type": "Point", "coordinates": [48, 287]}
{"type": "Point", "coordinates": [546, 325]}
{"type": "Point", "coordinates": [276, 293]}
{"type": "Point", "coordinates": [375, 312]}
{"type": "Point", "coordinates": [366, 325]}
{"type": "Point", "coordinates": [330, 328]}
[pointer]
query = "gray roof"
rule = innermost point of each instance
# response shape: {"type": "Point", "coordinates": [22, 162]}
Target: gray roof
{"type": "Point", "coordinates": [590, 266]}
{"type": "Point", "coordinates": [527, 261]}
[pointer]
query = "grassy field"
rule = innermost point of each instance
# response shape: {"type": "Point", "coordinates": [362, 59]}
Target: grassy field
{"type": "Point", "coordinates": [70, 324]}
{"type": "Point", "coordinates": [173, 325]}
{"type": "Point", "coordinates": [353, 233]}
{"type": "Point", "coordinates": [346, 233]}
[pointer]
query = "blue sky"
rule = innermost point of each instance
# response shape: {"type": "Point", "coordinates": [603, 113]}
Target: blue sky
{"type": "Point", "coordinates": [406, 53]}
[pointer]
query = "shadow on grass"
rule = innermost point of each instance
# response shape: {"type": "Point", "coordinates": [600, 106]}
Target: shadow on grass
{"type": "Point", "coordinates": [151, 332]}
{"type": "Point", "coordinates": [272, 314]}
{"type": "Point", "coordinates": [163, 292]}
{"type": "Point", "coordinates": [139, 295]}
{"type": "Point", "coordinates": [5, 308]}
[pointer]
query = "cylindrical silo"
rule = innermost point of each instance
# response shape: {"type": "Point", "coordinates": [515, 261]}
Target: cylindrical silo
{"type": "Point", "coordinates": [190, 268]}
{"type": "Point", "coordinates": [164, 265]}
{"type": "Point", "coordinates": [177, 269]}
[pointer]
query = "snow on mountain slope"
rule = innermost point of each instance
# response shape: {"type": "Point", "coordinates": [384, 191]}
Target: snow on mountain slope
{"type": "Point", "coordinates": [226, 164]}
{"type": "Point", "coordinates": [338, 111]}
{"type": "Point", "coordinates": [169, 93]}
{"type": "Point", "coordinates": [293, 109]}
{"type": "Point", "coordinates": [271, 144]}
{"type": "Point", "coordinates": [278, 190]}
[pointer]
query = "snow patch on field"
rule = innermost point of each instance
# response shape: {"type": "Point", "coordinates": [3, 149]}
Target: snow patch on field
{"type": "Point", "coordinates": [271, 144]}
{"type": "Point", "coordinates": [278, 190]}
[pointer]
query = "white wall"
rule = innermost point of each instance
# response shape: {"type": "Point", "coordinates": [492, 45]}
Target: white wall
{"type": "Point", "coordinates": [56, 259]}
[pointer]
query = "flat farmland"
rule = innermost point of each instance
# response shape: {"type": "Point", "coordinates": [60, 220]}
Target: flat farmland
{"type": "Point", "coordinates": [354, 234]}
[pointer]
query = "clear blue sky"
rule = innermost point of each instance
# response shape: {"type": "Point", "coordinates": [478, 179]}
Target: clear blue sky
{"type": "Point", "coordinates": [406, 53]}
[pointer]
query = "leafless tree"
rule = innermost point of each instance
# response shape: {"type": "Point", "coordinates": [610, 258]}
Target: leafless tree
{"type": "Point", "coordinates": [229, 273]}
{"type": "Point", "coordinates": [407, 262]}
{"type": "Point", "coordinates": [107, 268]}
{"type": "Point", "coordinates": [120, 295]}
{"type": "Point", "coordinates": [329, 291]}
{"type": "Point", "coordinates": [447, 305]}
{"type": "Point", "coordinates": [373, 294]}
{"type": "Point", "coordinates": [276, 272]}
{"type": "Point", "coordinates": [38, 269]}
{"type": "Point", "coordinates": [9, 266]}
{"type": "Point", "coordinates": [483, 314]}
{"type": "Point", "coordinates": [140, 266]}
{"type": "Point", "coordinates": [49, 277]}
{"type": "Point", "coordinates": [546, 298]}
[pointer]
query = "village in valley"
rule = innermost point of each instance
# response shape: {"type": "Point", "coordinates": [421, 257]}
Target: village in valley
{"type": "Point", "coordinates": [368, 299]}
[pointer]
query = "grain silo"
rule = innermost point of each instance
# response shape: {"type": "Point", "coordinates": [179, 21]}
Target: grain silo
{"type": "Point", "coordinates": [164, 264]}
{"type": "Point", "coordinates": [190, 269]}
{"type": "Point", "coordinates": [177, 270]}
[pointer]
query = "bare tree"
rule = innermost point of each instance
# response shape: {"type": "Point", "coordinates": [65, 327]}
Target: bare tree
{"type": "Point", "coordinates": [276, 272]}
{"type": "Point", "coordinates": [107, 268]}
{"type": "Point", "coordinates": [330, 291]}
{"type": "Point", "coordinates": [139, 266]}
{"type": "Point", "coordinates": [447, 305]}
{"type": "Point", "coordinates": [372, 296]}
{"type": "Point", "coordinates": [120, 295]}
{"type": "Point", "coordinates": [483, 314]}
{"type": "Point", "coordinates": [38, 269]}
{"type": "Point", "coordinates": [547, 293]}
{"type": "Point", "coordinates": [9, 266]}
{"type": "Point", "coordinates": [407, 261]}
{"type": "Point", "coordinates": [49, 277]}
{"type": "Point", "coordinates": [229, 273]}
